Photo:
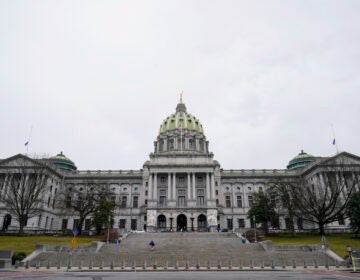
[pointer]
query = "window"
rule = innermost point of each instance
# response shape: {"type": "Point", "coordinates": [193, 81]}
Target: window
{"type": "Point", "coordinates": [216, 192]}
{"type": "Point", "coordinates": [239, 201]}
{"type": "Point", "coordinates": [122, 223]}
{"type": "Point", "coordinates": [68, 202]}
{"type": "Point", "coordinates": [113, 200]}
{"type": "Point", "coordinates": [76, 224]}
{"type": "Point", "coordinates": [133, 224]}
{"type": "Point", "coordinates": [87, 224]}
{"type": "Point", "coordinates": [230, 224]}
{"type": "Point", "coordinates": [300, 223]}
{"type": "Point", "coordinates": [181, 198]}
{"type": "Point", "coordinates": [48, 203]}
{"type": "Point", "coordinates": [181, 179]}
{"type": "Point", "coordinates": [123, 201]}
{"type": "Point", "coordinates": [64, 224]}
{"type": "Point", "coordinates": [341, 220]}
{"type": "Point", "coordinates": [162, 197]}
{"type": "Point", "coordinates": [146, 193]}
{"type": "Point", "coordinates": [200, 200]}
{"type": "Point", "coordinates": [162, 179]}
{"type": "Point", "coordinates": [241, 223]}
{"type": "Point", "coordinates": [39, 221]}
{"type": "Point", "coordinates": [200, 179]}
{"type": "Point", "coordinates": [250, 199]}
{"type": "Point", "coordinates": [53, 204]}
{"type": "Point", "coordinates": [228, 201]}
{"type": "Point", "coordinates": [217, 202]}
{"type": "Point", "coordinates": [146, 201]}
{"type": "Point", "coordinates": [135, 202]}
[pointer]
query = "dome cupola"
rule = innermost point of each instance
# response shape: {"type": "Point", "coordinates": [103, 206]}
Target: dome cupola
{"type": "Point", "coordinates": [62, 162]}
{"type": "Point", "coordinates": [300, 161]}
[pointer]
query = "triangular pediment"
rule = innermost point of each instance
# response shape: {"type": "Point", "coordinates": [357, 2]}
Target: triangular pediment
{"type": "Point", "coordinates": [343, 158]}
{"type": "Point", "coordinates": [17, 161]}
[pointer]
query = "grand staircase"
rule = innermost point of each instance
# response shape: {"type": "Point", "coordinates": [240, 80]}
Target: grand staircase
{"type": "Point", "coordinates": [181, 248]}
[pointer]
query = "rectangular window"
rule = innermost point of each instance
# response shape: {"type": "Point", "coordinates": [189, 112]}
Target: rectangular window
{"type": "Point", "coordinates": [133, 224]}
{"type": "Point", "coordinates": [250, 199]}
{"type": "Point", "coordinates": [181, 198]}
{"type": "Point", "coordinates": [228, 201]}
{"type": "Point", "coordinates": [163, 179]}
{"type": "Point", "coordinates": [300, 223]}
{"type": "Point", "coordinates": [162, 199]}
{"type": "Point", "coordinates": [123, 201]}
{"type": "Point", "coordinates": [230, 224]}
{"type": "Point", "coordinates": [239, 201]}
{"type": "Point", "coordinates": [113, 200]}
{"type": "Point", "coordinates": [68, 202]}
{"type": "Point", "coordinates": [76, 224]}
{"type": "Point", "coordinates": [241, 223]}
{"type": "Point", "coordinates": [217, 202]}
{"type": "Point", "coordinates": [135, 202]}
{"type": "Point", "coordinates": [122, 223]}
{"type": "Point", "coordinates": [200, 199]}
{"type": "Point", "coordinates": [64, 224]}
{"type": "Point", "coordinates": [341, 220]}
{"type": "Point", "coordinates": [87, 224]}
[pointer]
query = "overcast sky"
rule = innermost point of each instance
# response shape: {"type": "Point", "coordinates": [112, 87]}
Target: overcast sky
{"type": "Point", "coordinates": [95, 79]}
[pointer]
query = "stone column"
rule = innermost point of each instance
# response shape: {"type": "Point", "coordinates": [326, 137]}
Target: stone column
{"type": "Point", "coordinates": [155, 187]}
{"type": "Point", "coordinates": [150, 186]}
{"type": "Point", "coordinates": [207, 187]}
{"type": "Point", "coordinates": [169, 187]}
{"type": "Point", "coordinates": [174, 187]}
{"type": "Point", "coordinates": [212, 186]}
{"type": "Point", "coordinates": [188, 187]}
{"type": "Point", "coordinates": [193, 186]}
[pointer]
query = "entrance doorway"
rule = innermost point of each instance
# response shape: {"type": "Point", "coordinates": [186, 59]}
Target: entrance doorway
{"type": "Point", "coordinates": [181, 223]}
{"type": "Point", "coordinates": [202, 222]}
{"type": "Point", "coordinates": [162, 222]}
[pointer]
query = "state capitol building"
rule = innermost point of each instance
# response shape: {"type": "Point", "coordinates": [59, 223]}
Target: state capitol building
{"type": "Point", "coordinates": [180, 187]}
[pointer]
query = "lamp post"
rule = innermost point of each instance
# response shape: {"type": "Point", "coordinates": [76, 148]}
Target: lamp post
{"type": "Point", "coordinates": [108, 231]}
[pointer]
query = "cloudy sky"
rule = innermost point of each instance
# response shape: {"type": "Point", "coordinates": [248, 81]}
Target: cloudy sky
{"type": "Point", "coordinates": [95, 79]}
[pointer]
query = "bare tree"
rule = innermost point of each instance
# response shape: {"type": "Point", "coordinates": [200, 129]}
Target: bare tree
{"type": "Point", "coordinates": [24, 189]}
{"type": "Point", "coordinates": [285, 200]}
{"type": "Point", "coordinates": [322, 197]}
{"type": "Point", "coordinates": [81, 200]}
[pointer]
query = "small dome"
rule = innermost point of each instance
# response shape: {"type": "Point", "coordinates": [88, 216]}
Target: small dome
{"type": "Point", "coordinates": [62, 162]}
{"type": "Point", "coordinates": [300, 161]}
{"type": "Point", "coordinates": [181, 120]}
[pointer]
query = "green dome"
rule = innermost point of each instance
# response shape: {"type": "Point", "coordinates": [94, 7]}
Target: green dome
{"type": "Point", "coordinates": [64, 163]}
{"type": "Point", "coordinates": [181, 119]}
{"type": "Point", "coordinates": [300, 161]}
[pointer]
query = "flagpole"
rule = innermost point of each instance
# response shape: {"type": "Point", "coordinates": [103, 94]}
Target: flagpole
{"type": "Point", "coordinates": [27, 144]}
{"type": "Point", "coordinates": [334, 141]}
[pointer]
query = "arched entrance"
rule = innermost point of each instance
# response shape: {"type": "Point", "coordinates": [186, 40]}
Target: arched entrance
{"type": "Point", "coordinates": [201, 220]}
{"type": "Point", "coordinates": [7, 222]}
{"type": "Point", "coordinates": [161, 222]}
{"type": "Point", "coordinates": [181, 222]}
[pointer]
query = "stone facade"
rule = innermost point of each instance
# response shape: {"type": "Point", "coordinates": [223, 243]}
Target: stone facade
{"type": "Point", "coordinates": [181, 186]}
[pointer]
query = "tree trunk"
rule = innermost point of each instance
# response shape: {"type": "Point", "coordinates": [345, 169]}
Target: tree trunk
{"type": "Point", "coordinates": [321, 228]}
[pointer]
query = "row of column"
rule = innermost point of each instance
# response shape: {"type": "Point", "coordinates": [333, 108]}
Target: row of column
{"type": "Point", "coordinates": [191, 186]}
{"type": "Point", "coordinates": [197, 144]}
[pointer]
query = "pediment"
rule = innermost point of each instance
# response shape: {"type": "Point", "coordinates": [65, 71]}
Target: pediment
{"type": "Point", "coordinates": [17, 161]}
{"type": "Point", "coordinates": [344, 158]}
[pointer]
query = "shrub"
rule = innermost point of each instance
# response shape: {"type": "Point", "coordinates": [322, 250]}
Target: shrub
{"type": "Point", "coordinates": [18, 256]}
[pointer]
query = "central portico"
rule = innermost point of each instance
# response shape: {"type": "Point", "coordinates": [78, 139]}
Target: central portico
{"type": "Point", "coordinates": [181, 176]}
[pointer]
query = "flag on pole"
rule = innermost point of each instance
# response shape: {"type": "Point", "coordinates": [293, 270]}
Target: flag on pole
{"type": "Point", "coordinates": [26, 143]}
{"type": "Point", "coordinates": [333, 141]}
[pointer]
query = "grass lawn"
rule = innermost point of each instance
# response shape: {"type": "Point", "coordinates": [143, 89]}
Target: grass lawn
{"type": "Point", "coordinates": [336, 242]}
{"type": "Point", "coordinates": [27, 244]}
